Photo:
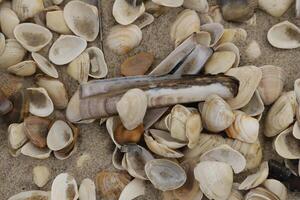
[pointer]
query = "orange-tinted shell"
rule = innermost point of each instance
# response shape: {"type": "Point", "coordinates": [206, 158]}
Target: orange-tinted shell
{"type": "Point", "coordinates": [124, 136]}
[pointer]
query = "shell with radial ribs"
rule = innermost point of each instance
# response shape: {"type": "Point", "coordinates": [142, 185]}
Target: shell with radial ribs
{"type": "Point", "coordinates": [8, 21]}
{"type": "Point", "coordinates": [13, 53]}
{"type": "Point", "coordinates": [79, 68]}
{"type": "Point", "coordinates": [26, 9]}
{"type": "Point", "coordinates": [178, 119]}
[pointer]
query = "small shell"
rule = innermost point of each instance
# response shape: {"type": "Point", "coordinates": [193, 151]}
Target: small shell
{"type": "Point", "coordinates": [122, 39]}
{"type": "Point", "coordinates": [193, 128]}
{"type": "Point", "coordinates": [125, 14]}
{"type": "Point", "coordinates": [178, 118]}
{"type": "Point", "coordinates": [271, 84]}
{"type": "Point", "coordinates": [297, 90]}
{"type": "Point", "coordinates": [165, 174]}
{"type": "Point", "coordinates": [41, 175]}
{"type": "Point", "coordinates": [215, 179]}
{"type": "Point", "coordinates": [281, 115]}
{"type": "Point", "coordinates": [27, 8]}
{"type": "Point", "coordinates": [5, 104]}
{"type": "Point", "coordinates": [59, 136]}
{"type": "Point", "coordinates": [284, 35]}
{"type": "Point", "coordinates": [12, 54]}
{"type": "Point", "coordinates": [234, 35]}
{"type": "Point", "coordinates": [226, 154]}
{"type": "Point", "coordinates": [40, 103]}
{"type": "Point", "coordinates": [165, 138]}
{"type": "Point", "coordinates": [64, 187]}
{"type": "Point", "coordinates": [98, 64]}
{"type": "Point", "coordinates": [34, 194]}
{"type": "Point", "coordinates": [32, 151]}
{"type": "Point", "coordinates": [144, 20]}
{"type": "Point", "coordinates": [155, 9]}
{"type": "Point", "coordinates": [163, 123]}
{"type": "Point", "coordinates": [169, 3]}
{"type": "Point", "coordinates": [66, 48]}
{"type": "Point", "coordinates": [186, 23]}
{"type": "Point", "coordinates": [216, 31]}
{"type": "Point", "coordinates": [200, 6]}
{"type": "Point", "coordinates": [82, 19]}
{"type": "Point", "coordinates": [134, 189]}
{"type": "Point", "coordinates": [79, 68]}
{"type": "Point", "coordinates": [8, 21]}
{"type": "Point", "coordinates": [203, 38]}
{"type": "Point", "coordinates": [228, 46]}
{"type": "Point", "coordinates": [256, 179]}
{"type": "Point", "coordinates": [220, 62]}
{"type": "Point", "coordinates": [260, 193]}
{"type": "Point", "coordinates": [253, 51]}
{"type": "Point", "coordinates": [2, 43]}
{"type": "Point", "coordinates": [24, 68]}
{"type": "Point", "coordinates": [277, 188]}
{"type": "Point", "coordinates": [44, 65]}
{"type": "Point", "coordinates": [255, 107]}
{"type": "Point", "coordinates": [55, 21]}
{"type": "Point", "coordinates": [16, 135]}
{"type": "Point", "coordinates": [87, 190]}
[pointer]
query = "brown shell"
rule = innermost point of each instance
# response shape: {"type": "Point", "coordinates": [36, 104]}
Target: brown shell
{"type": "Point", "coordinates": [124, 136]}
{"type": "Point", "coordinates": [137, 64]}
{"type": "Point", "coordinates": [20, 109]}
{"type": "Point", "coordinates": [5, 104]}
{"type": "Point", "coordinates": [10, 84]}
{"type": "Point", "coordinates": [68, 149]}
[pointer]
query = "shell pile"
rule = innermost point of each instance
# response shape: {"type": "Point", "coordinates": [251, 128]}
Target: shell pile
{"type": "Point", "coordinates": [187, 125]}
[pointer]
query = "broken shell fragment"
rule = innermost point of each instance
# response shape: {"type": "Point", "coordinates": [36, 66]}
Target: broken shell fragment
{"type": "Point", "coordinates": [165, 138]}
{"type": "Point", "coordinates": [297, 8]}
{"type": "Point", "coordinates": [16, 135]}
{"type": "Point", "coordinates": [64, 187]}
{"type": "Point", "coordinates": [125, 13]}
{"type": "Point", "coordinates": [26, 9]}
{"type": "Point", "coordinates": [137, 64]}
{"type": "Point", "coordinates": [253, 51]}
{"type": "Point", "coordinates": [34, 194]}
{"type": "Point", "coordinates": [82, 20]}
{"type": "Point", "coordinates": [24, 68]}
{"type": "Point", "coordinates": [169, 3]}
{"type": "Point", "coordinates": [8, 21]}
{"type": "Point", "coordinates": [296, 130]}
{"type": "Point", "coordinates": [41, 175]}
{"type": "Point", "coordinates": [79, 68]}
{"type": "Point", "coordinates": [98, 66]}
{"type": "Point", "coordinates": [277, 188]}
{"type": "Point", "coordinates": [87, 190]}
{"type": "Point", "coordinates": [260, 193]}
{"type": "Point", "coordinates": [31, 150]}
{"type": "Point", "coordinates": [12, 54]}
{"type": "Point", "coordinates": [60, 135]}
{"type": "Point", "coordinates": [284, 35]}
{"type": "Point", "coordinates": [275, 8]}
{"type": "Point", "coordinates": [144, 20]}
{"type": "Point", "coordinates": [200, 6]}
{"type": "Point", "coordinates": [163, 123]}
{"type": "Point", "coordinates": [134, 189]}
{"type": "Point", "coordinates": [5, 104]}
{"type": "Point", "coordinates": [40, 104]}
{"type": "Point", "coordinates": [55, 21]}
{"type": "Point", "coordinates": [44, 65]}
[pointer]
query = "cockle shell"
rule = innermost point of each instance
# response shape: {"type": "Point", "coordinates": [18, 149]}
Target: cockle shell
{"type": "Point", "coordinates": [34, 194]}
{"type": "Point", "coordinates": [31, 150]}
{"type": "Point", "coordinates": [220, 62]}
{"type": "Point", "coordinates": [260, 193]}
{"type": "Point", "coordinates": [8, 21]}
{"type": "Point", "coordinates": [87, 190]}
{"type": "Point", "coordinates": [82, 20]}
{"type": "Point", "coordinates": [12, 54]}
{"type": "Point", "coordinates": [276, 8]}
{"type": "Point", "coordinates": [40, 104]}
{"type": "Point", "coordinates": [134, 189]}
{"type": "Point", "coordinates": [55, 21]}
{"type": "Point", "coordinates": [178, 118]}
{"type": "Point", "coordinates": [216, 31]}
{"type": "Point", "coordinates": [284, 35]}
{"type": "Point", "coordinates": [41, 175]}
{"type": "Point", "coordinates": [98, 66]}
{"type": "Point", "coordinates": [79, 68]}
{"type": "Point", "coordinates": [16, 135]}
{"type": "Point", "coordinates": [44, 65]}
{"type": "Point", "coordinates": [193, 128]}
{"type": "Point", "coordinates": [27, 8]}
{"type": "Point", "coordinates": [122, 39]}
{"type": "Point", "coordinates": [186, 23]}
{"type": "Point", "coordinates": [228, 46]}
{"type": "Point", "coordinates": [200, 6]}
{"type": "Point", "coordinates": [165, 138]}
{"type": "Point", "coordinates": [277, 188]}
{"type": "Point", "coordinates": [64, 187]}
{"type": "Point", "coordinates": [125, 14]}
{"type": "Point", "coordinates": [169, 3]}
{"type": "Point", "coordinates": [24, 68]}
{"type": "Point", "coordinates": [255, 107]}
{"type": "Point", "coordinates": [215, 179]}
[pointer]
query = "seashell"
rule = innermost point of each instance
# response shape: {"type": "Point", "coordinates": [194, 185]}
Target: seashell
{"type": "Point", "coordinates": [26, 9]}
{"type": "Point", "coordinates": [64, 187]}
{"type": "Point", "coordinates": [165, 138]}
{"type": "Point", "coordinates": [281, 115]}
{"type": "Point", "coordinates": [260, 193]}
{"type": "Point", "coordinates": [31, 150]}
{"type": "Point", "coordinates": [155, 9]}
{"type": "Point", "coordinates": [169, 3]}
{"type": "Point", "coordinates": [79, 68]}
{"type": "Point", "coordinates": [144, 20]}
{"type": "Point", "coordinates": [44, 65]}
{"type": "Point", "coordinates": [220, 62]}
{"type": "Point", "coordinates": [235, 195]}
{"type": "Point", "coordinates": [244, 128]}
{"type": "Point", "coordinates": [203, 38]}
{"type": "Point", "coordinates": [8, 21]}
{"type": "Point", "coordinates": [41, 175]}
{"type": "Point", "coordinates": [40, 18]}
{"type": "Point", "coordinates": [216, 114]}
{"type": "Point", "coordinates": [256, 179]}
{"type": "Point", "coordinates": [238, 11]}
{"type": "Point", "coordinates": [98, 64]}
{"type": "Point", "coordinates": [200, 6]}
{"type": "Point", "coordinates": [186, 23]}
{"type": "Point", "coordinates": [193, 128]}
{"type": "Point", "coordinates": [57, 2]}
{"type": "Point", "coordinates": [226, 154]}
{"type": "Point", "coordinates": [216, 31]}
{"type": "Point", "coordinates": [2, 43]}
{"type": "Point", "coordinates": [60, 135]}
{"type": "Point", "coordinates": [248, 84]}
{"type": "Point", "coordinates": [5, 104]}
{"type": "Point", "coordinates": [56, 90]}
{"type": "Point", "coordinates": [253, 51]}
{"type": "Point", "coordinates": [215, 14]}
{"type": "Point", "coordinates": [205, 18]}
{"type": "Point", "coordinates": [12, 54]}
{"type": "Point", "coordinates": [132, 108]}
{"type": "Point", "coordinates": [275, 8]}
{"type": "Point", "coordinates": [36, 130]}
{"type": "Point", "coordinates": [277, 188]}
{"type": "Point", "coordinates": [40, 103]}
{"type": "Point", "coordinates": [284, 35]}
{"type": "Point", "coordinates": [111, 184]}
{"type": "Point", "coordinates": [215, 179]}
{"type": "Point", "coordinates": [16, 135]}
{"type": "Point", "coordinates": [117, 157]}
{"type": "Point", "coordinates": [292, 166]}
{"type": "Point", "coordinates": [125, 13]}
{"type": "Point", "coordinates": [135, 3]}
{"type": "Point", "coordinates": [82, 19]}
{"type": "Point", "coordinates": [24, 68]}
{"type": "Point", "coordinates": [296, 130]}
{"type": "Point", "coordinates": [66, 48]}
{"type": "Point", "coordinates": [271, 84]}
{"type": "Point", "coordinates": [165, 174]}
{"type": "Point", "coordinates": [163, 123]}
{"type": "Point", "coordinates": [137, 64]}
{"type": "Point", "coordinates": [297, 90]}
{"type": "Point", "coordinates": [233, 48]}
{"type": "Point", "coordinates": [122, 39]}
{"type": "Point", "coordinates": [178, 118]}
{"type": "Point", "coordinates": [134, 189]}
{"type": "Point", "coordinates": [55, 21]}
{"type": "Point", "coordinates": [34, 194]}
{"type": "Point", "coordinates": [233, 35]}
{"type": "Point", "coordinates": [87, 190]}
{"type": "Point", "coordinates": [10, 85]}
{"type": "Point", "coordinates": [33, 37]}
{"type": "Point", "coordinates": [255, 107]}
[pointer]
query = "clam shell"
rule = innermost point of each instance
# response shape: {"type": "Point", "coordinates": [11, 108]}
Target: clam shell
{"type": "Point", "coordinates": [33, 37]}
{"type": "Point", "coordinates": [226, 154]}
{"type": "Point", "coordinates": [275, 8]}
{"type": "Point", "coordinates": [186, 23]}
{"type": "Point", "coordinates": [163, 123]}
{"type": "Point", "coordinates": [16, 135]}
{"type": "Point", "coordinates": [260, 193]}
{"type": "Point", "coordinates": [60, 135]}
{"type": "Point", "coordinates": [216, 31]}
{"type": "Point", "coordinates": [165, 138]}
{"type": "Point", "coordinates": [271, 84]}
{"type": "Point", "coordinates": [134, 189]}
{"type": "Point", "coordinates": [235, 195]}
{"type": "Point", "coordinates": [233, 35]}
{"type": "Point", "coordinates": [137, 64]}
{"type": "Point", "coordinates": [41, 175]}
{"type": "Point", "coordinates": [256, 179]}
{"type": "Point", "coordinates": [2, 43]}
{"type": "Point", "coordinates": [122, 39]}
{"type": "Point", "coordinates": [248, 84]}
{"type": "Point", "coordinates": [215, 179]}
{"type": "Point", "coordinates": [5, 104]}
{"type": "Point", "coordinates": [12, 54]}
{"type": "Point", "coordinates": [82, 19]}
{"type": "Point", "coordinates": [63, 155]}
{"type": "Point", "coordinates": [255, 106]}
{"type": "Point", "coordinates": [34, 194]}
{"type": "Point", "coordinates": [27, 8]}
{"type": "Point", "coordinates": [125, 14]}
{"type": "Point", "coordinates": [55, 21]}
{"type": "Point", "coordinates": [178, 118]}
{"type": "Point", "coordinates": [284, 35]}
{"type": "Point", "coordinates": [117, 157]}
{"type": "Point", "coordinates": [44, 65]}
{"type": "Point", "coordinates": [169, 3]}
{"type": "Point", "coordinates": [24, 68]}
{"type": "Point", "coordinates": [296, 130]}
{"type": "Point", "coordinates": [281, 115]}
{"type": "Point", "coordinates": [228, 46]}
{"type": "Point", "coordinates": [66, 48]}
{"type": "Point", "coordinates": [87, 190]}
{"type": "Point", "coordinates": [297, 90]}
{"type": "Point", "coordinates": [165, 174]}
{"type": "Point", "coordinates": [98, 64]}
{"type": "Point", "coordinates": [64, 187]}
{"type": "Point", "coordinates": [200, 6]}
{"type": "Point", "coordinates": [220, 62]}
{"type": "Point", "coordinates": [31, 150]}
{"type": "Point", "coordinates": [79, 68]}
{"type": "Point", "coordinates": [277, 188]}
{"type": "Point", "coordinates": [144, 20]}
{"type": "Point", "coordinates": [40, 103]}
{"type": "Point", "coordinates": [155, 9]}
{"type": "Point", "coordinates": [8, 21]}
{"type": "Point", "coordinates": [203, 38]}
{"type": "Point", "coordinates": [193, 128]}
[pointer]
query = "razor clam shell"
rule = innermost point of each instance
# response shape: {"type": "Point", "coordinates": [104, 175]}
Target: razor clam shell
{"type": "Point", "coordinates": [34, 194]}
{"type": "Point", "coordinates": [216, 31]}
{"type": "Point", "coordinates": [203, 38]}
{"type": "Point", "coordinates": [134, 189]}
{"type": "Point", "coordinates": [32, 151]}
{"type": "Point", "coordinates": [255, 106]}
{"type": "Point", "coordinates": [125, 14]}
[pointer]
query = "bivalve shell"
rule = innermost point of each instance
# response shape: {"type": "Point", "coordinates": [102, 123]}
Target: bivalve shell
{"type": "Point", "coordinates": [200, 6]}
{"type": "Point", "coordinates": [165, 138]}
{"type": "Point", "coordinates": [216, 31]}
{"type": "Point", "coordinates": [34, 194]}
{"type": "Point", "coordinates": [87, 190]}
{"type": "Point", "coordinates": [220, 62]}
{"type": "Point", "coordinates": [98, 66]}
{"type": "Point", "coordinates": [55, 21]}
{"type": "Point", "coordinates": [169, 3]}
{"type": "Point", "coordinates": [16, 135]}
{"type": "Point", "coordinates": [8, 21]}
{"type": "Point", "coordinates": [260, 193]}
{"type": "Point", "coordinates": [64, 187]}
{"type": "Point", "coordinates": [125, 14]}
{"type": "Point", "coordinates": [79, 68]}
{"type": "Point", "coordinates": [5, 104]}
{"type": "Point", "coordinates": [27, 8]}
{"type": "Point", "coordinates": [144, 20]}
{"type": "Point", "coordinates": [2, 43]}
{"type": "Point", "coordinates": [12, 54]}
{"type": "Point", "coordinates": [134, 189]}
{"type": "Point", "coordinates": [255, 107]}
{"type": "Point", "coordinates": [277, 188]}
{"type": "Point", "coordinates": [41, 175]}
{"type": "Point", "coordinates": [178, 119]}
{"type": "Point", "coordinates": [40, 104]}
{"type": "Point", "coordinates": [276, 8]}
{"type": "Point", "coordinates": [31, 150]}
{"type": "Point", "coordinates": [44, 65]}
{"type": "Point", "coordinates": [24, 68]}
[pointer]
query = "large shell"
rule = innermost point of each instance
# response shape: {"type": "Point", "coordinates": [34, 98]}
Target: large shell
{"type": "Point", "coordinates": [8, 21]}
{"type": "Point", "coordinates": [64, 187]}
{"type": "Point", "coordinates": [44, 65]}
{"type": "Point", "coordinates": [31, 150]}
{"type": "Point", "coordinates": [125, 14]}
{"type": "Point", "coordinates": [215, 179]}
{"type": "Point", "coordinates": [134, 189]}
{"type": "Point", "coordinates": [216, 114]}
{"type": "Point", "coordinates": [16, 135]}
{"type": "Point", "coordinates": [200, 6]}
{"type": "Point", "coordinates": [87, 190]}
{"type": "Point", "coordinates": [55, 21]}
{"type": "Point", "coordinates": [66, 48]}
{"type": "Point", "coordinates": [260, 193]}
{"type": "Point", "coordinates": [98, 64]}
{"type": "Point", "coordinates": [248, 84]}
{"type": "Point", "coordinates": [277, 188]}
{"type": "Point", "coordinates": [284, 35]}
{"type": "Point", "coordinates": [82, 19]}
{"type": "Point", "coordinates": [178, 119]}
{"type": "Point", "coordinates": [40, 104]}
{"type": "Point", "coordinates": [12, 54]}
{"type": "Point", "coordinates": [169, 3]}
{"type": "Point", "coordinates": [122, 39]}
{"type": "Point", "coordinates": [281, 114]}
{"type": "Point", "coordinates": [25, 68]}
{"type": "Point", "coordinates": [79, 68]}
{"type": "Point", "coordinates": [165, 174]}
{"type": "Point", "coordinates": [27, 8]}
{"type": "Point", "coordinates": [186, 23]}
{"type": "Point", "coordinates": [165, 138]}
{"type": "Point", "coordinates": [34, 194]}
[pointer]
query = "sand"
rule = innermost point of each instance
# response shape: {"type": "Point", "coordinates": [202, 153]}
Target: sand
{"type": "Point", "coordinates": [94, 143]}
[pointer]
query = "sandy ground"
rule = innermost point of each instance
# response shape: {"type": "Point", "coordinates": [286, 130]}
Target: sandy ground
{"type": "Point", "coordinates": [94, 142]}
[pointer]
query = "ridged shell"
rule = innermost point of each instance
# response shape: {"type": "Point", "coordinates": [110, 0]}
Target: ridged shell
{"type": "Point", "coordinates": [98, 64]}
{"type": "Point", "coordinates": [277, 188]}
{"type": "Point", "coordinates": [44, 65]}
{"type": "Point", "coordinates": [134, 189]}
{"type": "Point", "coordinates": [178, 119]}
{"type": "Point", "coordinates": [8, 21]}
{"type": "Point", "coordinates": [64, 187]}
{"type": "Point", "coordinates": [24, 68]}
{"type": "Point", "coordinates": [79, 68]}
{"type": "Point", "coordinates": [27, 8]}
{"type": "Point", "coordinates": [125, 14]}
{"type": "Point", "coordinates": [12, 54]}
{"type": "Point", "coordinates": [203, 38]}
{"type": "Point", "coordinates": [260, 193]}
{"type": "Point", "coordinates": [193, 128]}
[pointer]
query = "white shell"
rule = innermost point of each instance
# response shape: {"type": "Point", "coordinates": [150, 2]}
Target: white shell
{"type": "Point", "coordinates": [284, 35]}
{"type": "Point", "coordinates": [228, 46]}
{"type": "Point", "coordinates": [296, 130]}
{"type": "Point", "coordinates": [40, 103]}
{"type": "Point", "coordinates": [233, 35]}
{"type": "Point", "coordinates": [64, 187]}
{"type": "Point", "coordinates": [8, 21]}
{"type": "Point", "coordinates": [163, 123]}
{"type": "Point", "coordinates": [31, 195]}
{"type": "Point", "coordinates": [16, 135]}
{"type": "Point", "coordinates": [276, 8]}
{"type": "Point", "coordinates": [41, 175]}
{"type": "Point", "coordinates": [98, 66]}
{"type": "Point", "coordinates": [193, 128]}
{"type": "Point", "coordinates": [277, 188]}
{"type": "Point", "coordinates": [297, 90]}
{"type": "Point", "coordinates": [32, 151]}
{"type": "Point", "coordinates": [125, 14]}
{"type": "Point", "coordinates": [44, 65]}
{"type": "Point", "coordinates": [66, 48]}
{"type": "Point", "coordinates": [13, 53]}
{"type": "Point", "coordinates": [87, 190]}
{"type": "Point", "coordinates": [111, 124]}
{"type": "Point", "coordinates": [57, 2]}
{"type": "Point", "coordinates": [55, 21]}
{"type": "Point", "coordinates": [178, 119]}
{"type": "Point", "coordinates": [200, 6]}
{"type": "Point", "coordinates": [165, 138]}
{"type": "Point", "coordinates": [216, 31]}
{"type": "Point", "coordinates": [203, 38]}
{"type": "Point", "coordinates": [169, 3]}
{"type": "Point", "coordinates": [220, 62]}
{"type": "Point", "coordinates": [255, 106]}
{"type": "Point", "coordinates": [134, 189]}
{"type": "Point", "coordinates": [24, 68]}
{"type": "Point", "coordinates": [82, 19]}
{"type": "Point", "coordinates": [79, 68]}
{"type": "Point", "coordinates": [253, 51]}
{"type": "Point", "coordinates": [27, 8]}
{"type": "Point", "coordinates": [260, 193]}
{"type": "Point", "coordinates": [117, 157]}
